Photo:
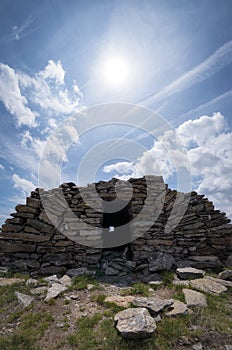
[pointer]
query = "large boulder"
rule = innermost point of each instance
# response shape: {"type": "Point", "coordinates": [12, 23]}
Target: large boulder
{"type": "Point", "coordinates": [135, 323]}
{"type": "Point", "coordinates": [208, 286]}
{"type": "Point", "coordinates": [160, 261]}
{"type": "Point", "coordinates": [225, 275]}
{"type": "Point", "coordinates": [154, 304]}
{"type": "Point", "coordinates": [194, 299]}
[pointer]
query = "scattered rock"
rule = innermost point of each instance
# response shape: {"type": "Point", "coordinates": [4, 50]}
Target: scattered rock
{"type": "Point", "coordinates": [66, 281]}
{"type": "Point", "coordinates": [178, 282]}
{"type": "Point", "coordinates": [54, 291]}
{"type": "Point", "coordinates": [160, 261]}
{"type": "Point", "coordinates": [220, 281]}
{"type": "Point", "coordinates": [194, 299]}
{"type": "Point", "coordinates": [32, 282]}
{"type": "Point", "coordinates": [110, 271]}
{"type": "Point", "coordinates": [9, 281]}
{"type": "Point", "coordinates": [178, 309]}
{"type": "Point", "coordinates": [135, 323]}
{"type": "Point", "coordinates": [153, 304]}
{"type": "Point", "coordinates": [26, 300]}
{"type": "Point", "coordinates": [208, 286]}
{"type": "Point", "coordinates": [51, 279]}
{"type": "Point", "coordinates": [39, 290]}
{"type": "Point", "coordinates": [124, 301]}
{"type": "Point", "coordinates": [225, 275]}
{"type": "Point", "coordinates": [80, 272]}
{"type": "Point", "coordinates": [188, 273]}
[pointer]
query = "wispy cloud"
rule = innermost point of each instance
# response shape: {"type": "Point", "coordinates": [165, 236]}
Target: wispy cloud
{"type": "Point", "coordinates": [214, 63]}
{"type": "Point", "coordinates": [204, 106]}
{"type": "Point", "coordinates": [18, 32]}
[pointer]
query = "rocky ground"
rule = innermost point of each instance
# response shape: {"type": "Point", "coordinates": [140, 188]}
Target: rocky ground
{"type": "Point", "coordinates": [189, 309]}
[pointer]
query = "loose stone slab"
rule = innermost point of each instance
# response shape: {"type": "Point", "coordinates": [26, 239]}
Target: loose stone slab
{"type": "Point", "coordinates": [225, 275]}
{"type": "Point", "coordinates": [153, 304]}
{"type": "Point", "coordinates": [26, 300]}
{"type": "Point", "coordinates": [120, 300]}
{"type": "Point", "coordinates": [208, 286]}
{"type": "Point", "coordinates": [194, 299]}
{"type": "Point", "coordinates": [54, 291]}
{"type": "Point", "coordinates": [66, 281]}
{"type": "Point", "coordinates": [135, 323]}
{"type": "Point", "coordinates": [220, 281]}
{"type": "Point", "coordinates": [179, 309]}
{"type": "Point", "coordinates": [188, 273]}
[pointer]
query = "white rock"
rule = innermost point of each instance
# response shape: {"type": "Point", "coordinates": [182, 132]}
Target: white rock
{"type": "Point", "coordinates": [66, 281]}
{"type": "Point", "coordinates": [26, 300]}
{"type": "Point", "coordinates": [208, 286]}
{"type": "Point", "coordinates": [178, 309]}
{"type": "Point", "coordinates": [54, 291]}
{"type": "Point", "coordinates": [194, 299]}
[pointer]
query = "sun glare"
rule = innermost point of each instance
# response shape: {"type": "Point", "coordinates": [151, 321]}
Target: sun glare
{"type": "Point", "coordinates": [116, 71]}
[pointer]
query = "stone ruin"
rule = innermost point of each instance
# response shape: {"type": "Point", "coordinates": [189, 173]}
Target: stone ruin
{"type": "Point", "coordinates": [44, 236]}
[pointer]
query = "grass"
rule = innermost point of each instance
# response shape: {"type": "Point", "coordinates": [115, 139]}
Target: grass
{"type": "Point", "coordinates": [33, 326]}
{"type": "Point", "coordinates": [137, 288]}
{"type": "Point", "coordinates": [81, 282]}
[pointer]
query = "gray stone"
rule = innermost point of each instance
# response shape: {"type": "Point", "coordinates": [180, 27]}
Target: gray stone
{"type": "Point", "coordinates": [26, 300]}
{"type": "Point", "coordinates": [178, 309]}
{"type": "Point", "coordinates": [208, 286]}
{"type": "Point", "coordinates": [225, 275]}
{"type": "Point", "coordinates": [38, 290]}
{"type": "Point", "coordinates": [187, 273]}
{"type": "Point", "coordinates": [51, 279]}
{"type": "Point", "coordinates": [32, 282]}
{"type": "Point", "coordinates": [66, 281]}
{"type": "Point", "coordinates": [80, 272]}
{"type": "Point", "coordinates": [123, 301]}
{"type": "Point", "coordinates": [110, 271]}
{"type": "Point", "coordinates": [3, 269]}
{"type": "Point", "coordinates": [218, 280]}
{"type": "Point", "coordinates": [194, 299]}
{"type": "Point", "coordinates": [160, 261]}
{"type": "Point", "coordinates": [135, 323]}
{"type": "Point", "coordinates": [54, 291]}
{"type": "Point", "coordinates": [153, 304]}
{"type": "Point", "coordinates": [197, 346]}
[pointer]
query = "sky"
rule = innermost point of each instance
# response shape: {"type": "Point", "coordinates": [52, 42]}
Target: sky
{"type": "Point", "coordinates": [58, 59]}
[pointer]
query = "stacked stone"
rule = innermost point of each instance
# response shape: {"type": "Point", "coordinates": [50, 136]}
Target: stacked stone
{"type": "Point", "coordinates": [62, 229]}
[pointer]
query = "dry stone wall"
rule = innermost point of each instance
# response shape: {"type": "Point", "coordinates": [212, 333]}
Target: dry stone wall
{"type": "Point", "coordinates": [42, 239]}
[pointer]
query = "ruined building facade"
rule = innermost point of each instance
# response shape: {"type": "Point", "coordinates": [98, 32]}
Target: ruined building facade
{"type": "Point", "coordinates": [57, 230]}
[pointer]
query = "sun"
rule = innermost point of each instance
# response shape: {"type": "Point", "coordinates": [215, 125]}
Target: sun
{"type": "Point", "coordinates": [116, 71]}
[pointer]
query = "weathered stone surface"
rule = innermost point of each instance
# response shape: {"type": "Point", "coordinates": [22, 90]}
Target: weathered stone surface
{"type": "Point", "coordinates": [135, 323]}
{"type": "Point", "coordinates": [54, 291]}
{"type": "Point", "coordinates": [39, 290]}
{"type": "Point", "coordinates": [80, 272]}
{"type": "Point", "coordinates": [178, 309]}
{"type": "Point", "coordinates": [188, 273]}
{"type": "Point", "coordinates": [208, 286]}
{"type": "Point", "coordinates": [161, 261]}
{"type": "Point", "coordinates": [9, 281]}
{"type": "Point", "coordinates": [32, 282]}
{"type": "Point", "coordinates": [153, 304]}
{"type": "Point", "coordinates": [194, 299]}
{"type": "Point", "coordinates": [66, 281]}
{"type": "Point", "coordinates": [200, 237]}
{"type": "Point", "coordinates": [123, 301]}
{"type": "Point", "coordinates": [225, 275]}
{"type": "Point", "coordinates": [220, 281]}
{"type": "Point", "coordinates": [26, 300]}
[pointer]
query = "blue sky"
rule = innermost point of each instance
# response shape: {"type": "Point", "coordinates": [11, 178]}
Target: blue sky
{"type": "Point", "coordinates": [173, 57]}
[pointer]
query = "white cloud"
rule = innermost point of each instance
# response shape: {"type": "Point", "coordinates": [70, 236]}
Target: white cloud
{"type": "Point", "coordinates": [2, 167]}
{"type": "Point", "coordinates": [12, 98]}
{"type": "Point", "coordinates": [44, 92]}
{"type": "Point", "coordinates": [208, 144]}
{"type": "Point", "coordinates": [214, 63]}
{"type": "Point", "coordinates": [53, 71]}
{"type": "Point", "coordinates": [22, 184]}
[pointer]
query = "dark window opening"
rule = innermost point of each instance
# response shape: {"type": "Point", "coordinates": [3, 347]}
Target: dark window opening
{"type": "Point", "coordinates": [116, 234]}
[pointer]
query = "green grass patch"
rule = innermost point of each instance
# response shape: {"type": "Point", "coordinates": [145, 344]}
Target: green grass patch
{"type": "Point", "coordinates": [137, 288]}
{"type": "Point", "coordinates": [81, 282]}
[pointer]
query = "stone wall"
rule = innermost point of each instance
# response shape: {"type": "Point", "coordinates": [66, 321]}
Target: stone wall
{"type": "Point", "coordinates": [44, 237]}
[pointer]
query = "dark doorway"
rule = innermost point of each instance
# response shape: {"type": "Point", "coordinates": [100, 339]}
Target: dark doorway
{"type": "Point", "coordinates": [115, 232]}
